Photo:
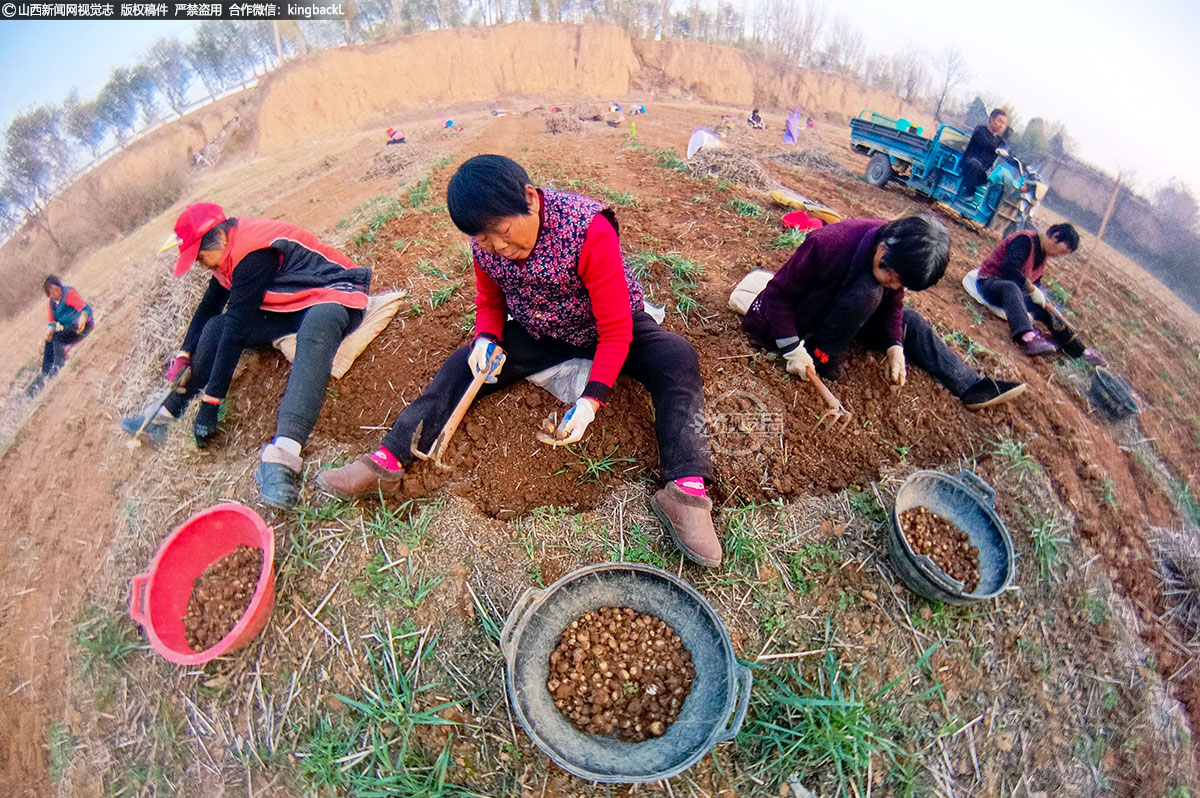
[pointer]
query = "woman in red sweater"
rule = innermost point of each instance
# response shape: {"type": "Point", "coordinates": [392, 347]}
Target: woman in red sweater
{"type": "Point", "coordinates": [552, 261]}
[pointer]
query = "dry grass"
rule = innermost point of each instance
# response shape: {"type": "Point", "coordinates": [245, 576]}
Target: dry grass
{"type": "Point", "coordinates": [1178, 553]}
{"type": "Point", "coordinates": [564, 123]}
{"type": "Point", "coordinates": [736, 166]}
{"type": "Point", "coordinates": [812, 158]}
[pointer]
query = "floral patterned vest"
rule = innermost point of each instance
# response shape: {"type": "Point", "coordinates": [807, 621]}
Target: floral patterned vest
{"type": "Point", "coordinates": [545, 293]}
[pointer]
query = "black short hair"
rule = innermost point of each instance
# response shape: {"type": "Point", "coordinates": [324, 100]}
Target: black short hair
{"type": "Point", "coordinates": [212, 239]}
{"type": "Point", "coordinates": [485, 189]}
{"type": "Point", "coordinates": [997, 112]}
{"type": "Point", "coordinates": [917, 248]}
{"type": "Point", "coordinates": [49, 281]}
{"type": "Point", "coordinates": [1064, 234]}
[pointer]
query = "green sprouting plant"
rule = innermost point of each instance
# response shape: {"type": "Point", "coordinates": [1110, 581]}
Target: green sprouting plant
{"type": "Point", "coordinates": [1048, 542]}
{"type": "Point", "coordinates": [669, 159]}
{"type": "Point", "coordinates": [390, 583]}
{"type": "Point", "coordinates": [62, 745]}
{"type": "Point", "coordinates": [418, 195]}
{"type": "Point", "coordinates": [407, 522]}
{"type": "Point", "coordinates": [442, 163]}
{"type": "Point", "coordinates": [832, 722]}
{"type": "Point", "coordinates": [595, 468]}
{"type": "Point", "coordinates": [973, 311]}
{"type": "Point", "coordinates": [973, 248]}
{"type": "Point", "coordinates": [743, 208]}
{"type": "Point", "coordinates": [1059, 295]}
{"type": "Point", "coordinates": [700, 198]}
{"type": "Point", "coordinates": [415, 310]}
{"type": "Point", "coordinates": [371, 749]}
{"type": "Point", "coordinates": [106, 639]}
{"type": "Point", "coordinates": [865, 504]}
{"type": "Point", "coordinates": [742, 545]}
{"type": "Point", "coordinates": [442, 296]}
{"type": "Point", "coordinates": [1109, 490]}
{"type": "Point", "coordinates": [639, 547]}
{"type": "Point", "coordinates": [467, 322]}
{"type": "Point", "coordinates": [1013, 453]}
{"type": "Point", "coordinates": [1096, 609]}
{"type": "Point", "coordinates": [621, 200]}
{"type": "Point", "coordinates": [389, 209]}
{"type": "Point", "coordinates": [789, 238]}
{"type": "Point", "coordinates": [811, 562]}
{"type": "Point", "coordinates": [425, 266]}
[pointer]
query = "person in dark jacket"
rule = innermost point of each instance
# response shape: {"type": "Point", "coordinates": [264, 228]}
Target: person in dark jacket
{"type": "Point", "coordinates": [269, 279]}
{"type": "Point", "coordinates": [981, 152]}
{"type": "Point", "coordinates": [1010, 278]}
{"type": "Point", "coordinates": [846, 282]}
{"type": "Point", "coordinates": [71, 319]}
{"type": "Point", "coordinates": [552, 286]}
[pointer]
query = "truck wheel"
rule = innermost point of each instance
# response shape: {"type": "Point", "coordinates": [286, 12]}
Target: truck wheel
{"type": "Point", "coordinates": [879, 170]}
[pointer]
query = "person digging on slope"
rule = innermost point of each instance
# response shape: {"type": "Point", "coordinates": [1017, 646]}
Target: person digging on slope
{"type": "Point", "coordinates": [71, 319]}
{"type": "Point", "coordinates": [553, 262]}
{"type": "Point", "coordinates": [268, 279]}
{"type": "Point", "coordinates": [1010, 278]}
{"type": "Point", "coordinates": [846, 282]}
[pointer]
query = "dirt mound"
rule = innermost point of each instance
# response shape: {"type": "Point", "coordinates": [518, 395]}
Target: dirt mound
{"type": "Point", "coordinates": [737, 166]}
{"type": "Point", "coordinates": [564, 123]}
{"type": "Point", "coordinates": [390, 161]}
{"type": "Point", "coordinates": [452, 66]}
{"type": "Point", "coordinates": [813, 158]}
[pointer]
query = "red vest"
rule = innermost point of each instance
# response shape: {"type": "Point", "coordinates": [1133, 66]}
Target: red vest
{"type": "Point", "coordinates": [310, 272]}
{"type": "Point", "coordinates": [993, 266]}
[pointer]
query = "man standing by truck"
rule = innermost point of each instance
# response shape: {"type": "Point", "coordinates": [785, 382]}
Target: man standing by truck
{"type": "Point", "coordinates": [981, 152]}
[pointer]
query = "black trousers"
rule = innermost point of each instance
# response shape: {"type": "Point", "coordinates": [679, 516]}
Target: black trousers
{"type": "Point", "coordinates": [319, 331]}
{"type": "Point", "coordinates": [922, 348]}
{"type": "Point", "coordinates": [1019, 308]}
{"type": "Point", "coordinates": [974, 173]}
{"type": "Point", "coordinates": [54, 353]}
{"type": "Point", "coordinates": [659, 359]}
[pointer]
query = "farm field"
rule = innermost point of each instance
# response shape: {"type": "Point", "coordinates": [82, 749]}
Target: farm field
{"type": "Point", "coordinates": [380, 671]}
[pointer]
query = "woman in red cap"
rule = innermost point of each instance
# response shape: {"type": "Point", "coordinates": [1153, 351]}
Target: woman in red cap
{"type": "Point", "coordinates": [269, 279]}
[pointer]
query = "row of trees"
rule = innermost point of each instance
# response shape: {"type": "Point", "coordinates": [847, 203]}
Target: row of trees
{"type": "Point", "coordinates": [46, 146]}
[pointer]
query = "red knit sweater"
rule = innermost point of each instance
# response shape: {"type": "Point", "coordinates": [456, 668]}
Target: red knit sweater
{"type": "Point", "coordinates": [603, 274]}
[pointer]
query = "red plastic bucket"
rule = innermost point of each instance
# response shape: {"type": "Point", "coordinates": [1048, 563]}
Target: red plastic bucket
{"type": "Point", "coordinates": [158, 598]}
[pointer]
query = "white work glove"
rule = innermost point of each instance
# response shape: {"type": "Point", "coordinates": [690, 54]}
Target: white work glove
{"type": "Point", "coordinates": [1037, 297]}
{"type": "Point", "coordinates": [798, 360]}
{"type": "Point", "coordinates": [574, 423]}
{"type": "Point", "coordinates": [482, 352]}
{"type": "Point", "coordinates": [897, 372]}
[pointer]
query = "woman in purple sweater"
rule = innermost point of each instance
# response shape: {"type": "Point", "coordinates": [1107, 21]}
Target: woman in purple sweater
{"type": "Point", "coordinates": [846, 282]}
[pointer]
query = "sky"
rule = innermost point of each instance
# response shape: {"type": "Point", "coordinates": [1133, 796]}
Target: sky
{"type": "Point", "coordinates": [1122, 76]}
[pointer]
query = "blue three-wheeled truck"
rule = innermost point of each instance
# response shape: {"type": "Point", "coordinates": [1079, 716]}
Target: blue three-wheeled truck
{"type": "Point", "coordinates": [898, 152]}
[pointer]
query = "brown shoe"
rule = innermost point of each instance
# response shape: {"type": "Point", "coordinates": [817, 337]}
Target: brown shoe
{"type": "Point", "coordinates": [689, 520]}
{"type": "Point", "coordinates": [363, 477]}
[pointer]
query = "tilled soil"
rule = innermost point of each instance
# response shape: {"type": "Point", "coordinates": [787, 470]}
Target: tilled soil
{"type": "Point", "coordinates": [947, 545]}
{"type": "Point", "coordinates": [220, 597]}
{"type": "Point", "coordinates": [620, 671]}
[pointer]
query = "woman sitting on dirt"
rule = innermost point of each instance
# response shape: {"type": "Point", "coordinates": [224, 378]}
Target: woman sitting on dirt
{"type": "Point", "coordinates": [269, 279]}
{"type": "Point", "coordinates": [846, 282]}
{"type": "Point", "coordinates": [553, 262]}
{"type": "Point", "coordinates": [71, 319]}
{"type": "Point", "coordinates": [1009, 279]}
{"type": "Point", "coordinates": [755, 121]}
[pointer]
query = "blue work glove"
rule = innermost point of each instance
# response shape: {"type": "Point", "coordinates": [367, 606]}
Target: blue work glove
{"type": "Point", "coordinates": [206, 427]}
{"type": "Point", "coordinates": [483, 352]}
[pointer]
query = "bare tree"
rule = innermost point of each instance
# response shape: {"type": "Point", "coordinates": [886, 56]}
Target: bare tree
{"type": "Point", "coordinates": [951, 69]}
{"type": "Point", "coordinates": [171, 72]}
{"type": "Point", "coordinates": [81, 120]}
{"type": "Point", "coordinates": [36, 158]}
{"type": "Point", "coordinates": [844, 49]}
{"type": "Point", "coordinates": [911, 74]}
